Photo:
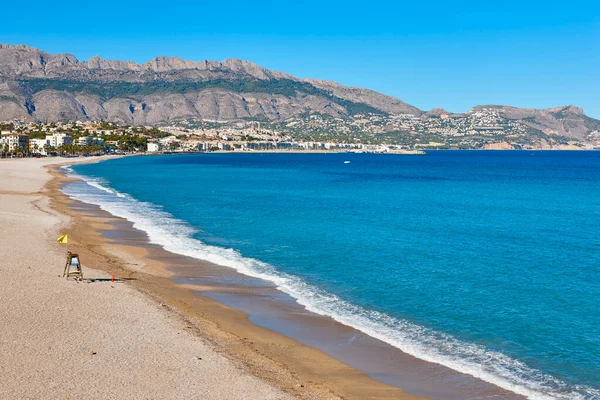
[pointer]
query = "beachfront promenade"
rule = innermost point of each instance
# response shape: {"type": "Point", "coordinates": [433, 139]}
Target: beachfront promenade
{"type": "Point", "coordinates": [66, 340]}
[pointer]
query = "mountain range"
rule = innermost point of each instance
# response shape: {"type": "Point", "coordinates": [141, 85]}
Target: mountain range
{"type": "Point", "coordinates": [39, 86]}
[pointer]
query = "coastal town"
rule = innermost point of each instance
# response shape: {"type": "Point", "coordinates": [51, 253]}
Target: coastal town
{"type": "Point", "coordinates": [310, 132]}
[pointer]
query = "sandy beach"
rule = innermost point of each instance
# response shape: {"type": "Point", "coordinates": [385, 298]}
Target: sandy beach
{"type": "Point", "coordinates": [101, 339]}
{"type": "Point", "coordinates": [151, 333]}
{"type": "Point", "coordinates": [61, 339]}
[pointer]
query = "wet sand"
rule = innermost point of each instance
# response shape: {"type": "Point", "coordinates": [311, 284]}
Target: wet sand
{"type": "Point", "coordinates": [266, 331]}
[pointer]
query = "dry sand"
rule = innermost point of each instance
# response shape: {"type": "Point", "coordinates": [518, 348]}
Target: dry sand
{"type": "Point", "coordinates": [61, 339]}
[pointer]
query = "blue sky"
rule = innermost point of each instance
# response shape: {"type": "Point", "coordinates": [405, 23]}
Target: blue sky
{"type": "Point", "coordinates": [449, 54]}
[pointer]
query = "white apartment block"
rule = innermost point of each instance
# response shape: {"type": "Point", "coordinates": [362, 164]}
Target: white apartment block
{"type": "Point", "coordinates": [39, 146]}
{"type": "Point", "coordinates": [59, 139]}
{"type": "Point", "coordinates": [14, 141]}
{"type": "Point", "coordinates": [84, 141]}
{"type": "Point", "coordinates": [153, 147]}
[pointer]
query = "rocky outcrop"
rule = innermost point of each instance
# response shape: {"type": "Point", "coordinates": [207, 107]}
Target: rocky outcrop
{"type": "Point", "coordinates": [436, 112]}
{"type": "Point", "coordinates": [10, 109]}
{"type": "Point", "coordinates": [380, 101]}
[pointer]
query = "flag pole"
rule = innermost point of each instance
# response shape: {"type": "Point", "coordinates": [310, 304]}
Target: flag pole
{"type": "Point", "coordinates": [64, 239]}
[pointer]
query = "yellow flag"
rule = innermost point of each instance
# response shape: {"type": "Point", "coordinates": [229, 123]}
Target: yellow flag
{"type": "Point", "coordinates": [62, 239]}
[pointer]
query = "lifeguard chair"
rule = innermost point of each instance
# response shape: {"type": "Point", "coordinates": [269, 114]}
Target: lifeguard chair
{"type": "Point", "coordinates": [73, 267]}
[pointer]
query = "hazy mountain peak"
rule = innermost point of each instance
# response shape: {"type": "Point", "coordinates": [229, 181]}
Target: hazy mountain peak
{"type": "Point", "coordinates": [163, 63]}
{"type": "Point", "coordinates": [438, 111]}
{"type": "Point", "coordinates": [571, 109]}
{"type": "Point", "coordinates": [97, 62]}
{"type": "Point", "coordinates": [23, 47]}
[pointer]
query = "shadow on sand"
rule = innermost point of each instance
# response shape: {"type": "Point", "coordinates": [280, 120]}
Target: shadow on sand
{"type": "Point", "coordinates": [111, 280]}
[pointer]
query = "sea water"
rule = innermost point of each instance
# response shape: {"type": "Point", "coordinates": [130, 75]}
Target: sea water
{"type": "Point", "coordinates": [485, 262]}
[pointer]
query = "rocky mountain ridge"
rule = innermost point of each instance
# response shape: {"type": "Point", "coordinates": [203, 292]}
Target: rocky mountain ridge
{"type": "Point", "coordinates": [39, 86]}
{"type": "Point", "coordinates": [21, 61]}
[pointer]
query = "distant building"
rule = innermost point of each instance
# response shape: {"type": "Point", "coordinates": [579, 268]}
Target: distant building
{"type": "Point", "coordinates": [84, 141]}
{"type": "Point", "coordinates": [39, 146]}
{"type": "Point", "coordinates": [203, 146]}
{"type": "Point", "coordinates": [59, 139]}
{"type": "Point", "coordinates": [154, 147]}
{"type": "Point", "coordinates": [14, 141]}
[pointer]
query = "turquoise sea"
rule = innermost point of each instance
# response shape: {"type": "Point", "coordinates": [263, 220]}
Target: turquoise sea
{"type": "Point", "coordinates": [485, 262]}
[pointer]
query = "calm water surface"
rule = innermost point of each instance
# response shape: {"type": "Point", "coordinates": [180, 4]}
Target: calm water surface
{"type": "Point", "coordinates": [487, 262]}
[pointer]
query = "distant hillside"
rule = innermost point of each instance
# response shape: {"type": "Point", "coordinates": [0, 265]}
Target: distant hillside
{"type": "Point", "coordinates": [48, 87]}
{"type": "Point", "coordinates": [569, 121]}
{"type": "Point", "coordinates": [56, 87]}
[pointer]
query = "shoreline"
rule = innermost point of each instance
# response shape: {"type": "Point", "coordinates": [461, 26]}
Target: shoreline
{"type": "Point", "coordinates": [183, 296]}
{"type": "Point", "coordinates": [282, 362]}
{"type": "Point", "coordinates": [94, 339]}
{"type": "Point", "coordinates": [396, 153]}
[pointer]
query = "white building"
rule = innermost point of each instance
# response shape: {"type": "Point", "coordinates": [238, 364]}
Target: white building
{"type": "Point", "coordinates": [84, 141]}
{"type": "Point", "coordinates": [14, 141]}
{"type": "Point", "coordinates": [59, 139]}
{"type": "Point", "coordinates": [205, 146]}
{"type": "Point", "coordinates": [39, 146]}
{"type": "Point", "coordinates": [154, 147]}
{"type": "Point", "coordinates": [88, 141]}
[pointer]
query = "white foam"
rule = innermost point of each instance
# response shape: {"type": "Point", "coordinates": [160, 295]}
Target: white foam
{"type": "Point", "coordinates": [177, 236]}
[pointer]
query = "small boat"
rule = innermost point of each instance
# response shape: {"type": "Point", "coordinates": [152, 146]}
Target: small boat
{"type": "Point", "coordinates": [346, 162]}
